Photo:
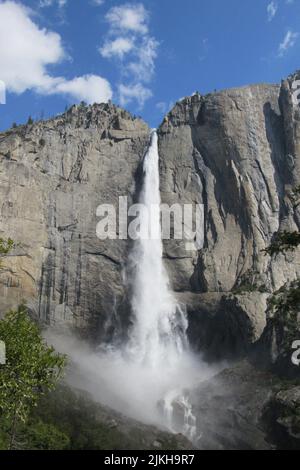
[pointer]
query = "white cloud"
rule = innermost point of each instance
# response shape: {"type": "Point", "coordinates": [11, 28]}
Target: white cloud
{"type": "Point", "coordinates": [26, 51]}
{"type": "Point", "coordinates": [129, 41]}
{"type": "Point", "coordinates": [272, 10]}
{"type": "Point", "coordinates": [89, 88]}
{"type": "Point", "coordinates": [118, 48]}
{"type": "Point", "coordinates": [288, 42]}
{"type": "Point", "coordinates": [128, 17]}
{"type": "Point", "coordinates": [143, 67]}
{"type": "Point", "coordinates": [137, 92]}
{"type": "Point", "coordinates": [97, 2]}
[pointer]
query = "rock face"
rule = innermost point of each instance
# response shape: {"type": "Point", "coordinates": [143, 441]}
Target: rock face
{"type": "Point", "coordinates": [53, 176]}
{"type": "Point", "coordinates": [224, 326]}
{"type": "Point", "coordinates": [92, 426]}
{"type": "Point", "coordinates": [237, 153]}
{"type": "Point", "coordinates": [282, 418]}
{"type": "Point", "coordinates": [243, 408]}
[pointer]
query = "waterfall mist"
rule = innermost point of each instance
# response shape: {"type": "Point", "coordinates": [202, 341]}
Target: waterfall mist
{"type": "Point", "coordinates": [143, 377]}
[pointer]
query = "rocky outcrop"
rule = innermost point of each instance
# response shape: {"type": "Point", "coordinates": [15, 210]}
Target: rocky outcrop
{"type": "Point", "coordinates": [54, 174]}
{"type": "Point", "coordinates": [237, 153]}
{"type": "Point", "coordinates": [88, 425]}
{"type": "Point", "coordinates": [282, 418]}
{"type": "Point", "coordinates": [276, 346]}
{"type": "Point", "coordinates": [225, 326]}
{"type": "Point", "coordinates": [242, 408]}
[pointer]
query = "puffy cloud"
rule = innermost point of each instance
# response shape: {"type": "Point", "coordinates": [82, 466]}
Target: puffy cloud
{"type": "Point", "coordinates": [89, 88]}
{"type": "Point", "coordinates": [118, 48]}
{"type": "Point", "coordinates": [26, 51]}
{"type": "Point", "coordinates": [128, 17]}
{"type": "Point", "coordinates": [288, 42]}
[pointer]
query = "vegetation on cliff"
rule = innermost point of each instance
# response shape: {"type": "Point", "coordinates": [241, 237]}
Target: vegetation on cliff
{"type": "Point", "coordinates": [284, 304]}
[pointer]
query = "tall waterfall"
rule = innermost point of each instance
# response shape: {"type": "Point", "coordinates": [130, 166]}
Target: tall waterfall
{"type": "Point", "coordinates": [159, 332]}
{"type": "Point", "coordinates": [145, 377]}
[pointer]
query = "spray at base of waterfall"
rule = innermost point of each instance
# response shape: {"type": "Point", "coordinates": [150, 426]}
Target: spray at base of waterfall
{"type": "Point", "coordinates": [139, 392]}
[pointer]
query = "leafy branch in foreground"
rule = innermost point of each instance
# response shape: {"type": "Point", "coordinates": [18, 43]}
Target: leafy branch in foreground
{"type": "Point", "coordinates": [32, 368]}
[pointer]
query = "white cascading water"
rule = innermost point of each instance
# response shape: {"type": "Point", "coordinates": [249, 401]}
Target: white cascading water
{"type": "Point", "coordinates": [146, 378]}
{"type": "Point", "coordinates": [159, 332]}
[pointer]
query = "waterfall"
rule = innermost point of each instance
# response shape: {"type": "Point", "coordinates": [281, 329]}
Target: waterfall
{"type": "Point", "coordinates": [159, 332]}
{"type": "Point", "coordinates": [158, 341]}
{"type": "Point", "coordinates": [147, 377]}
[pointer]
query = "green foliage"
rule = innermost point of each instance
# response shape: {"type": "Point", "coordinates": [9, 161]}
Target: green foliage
{"type": "Point", "coordinates": [75, 417]}
{"type": "Point", "coordinates": [88, 426]}
{"type": "Point", "coordinates": [37, 435]}
{"type": "Point", "coordinates": [284, 306]}
{"type": "Point", "coordinates": [295, 196]}
{"type": "Point", "coordinates": [31, 368]}
{"type": "Point", "coordinates": [249, 282]}
{"type": "Point", "coordinates": [68, 420]}
{"type": "Point", "coordinates": [6, 246]}
{"type": "Point", "coordinates": [284, 241]}
{"type": "Point", "coordinates": [30, 121]}
{"type": "Point", "coordinates": [287, 300]}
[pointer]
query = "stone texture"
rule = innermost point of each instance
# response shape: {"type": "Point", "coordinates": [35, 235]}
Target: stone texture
{"type": "Point", "coordinates": [237, 153]}
{"type": "Point", "coordinates": [282, 418]}
{"type": "Point", "coordinates": [243, 408]}
{"type": "Point", "coordinates": [53, 176]}
{"type": "Point", "coordinates": [225, 326]}
{"type": "Point", "coordinates": [274, 349]}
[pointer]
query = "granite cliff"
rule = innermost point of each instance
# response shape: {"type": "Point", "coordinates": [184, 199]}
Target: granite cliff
{"type": "Point", "coordinates": [235, 151]}
{"type": "Point", "coordinates": [54, 175]}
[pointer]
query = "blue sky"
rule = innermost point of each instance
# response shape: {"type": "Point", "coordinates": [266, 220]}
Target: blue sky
{"type": "Point", "coordinates": [144, 55]}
